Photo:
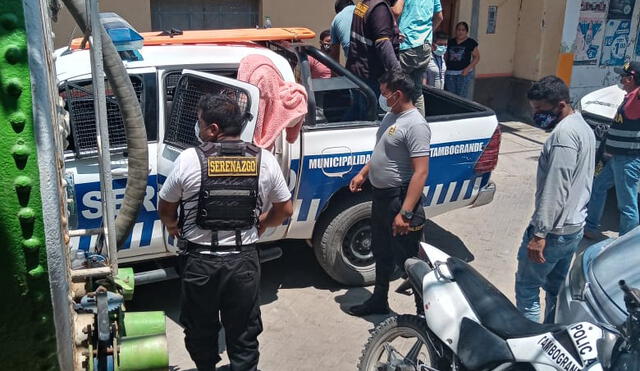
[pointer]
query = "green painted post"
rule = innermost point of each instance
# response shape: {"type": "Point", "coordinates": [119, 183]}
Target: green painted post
{"type": "Point", "coordinates": [27, 337]}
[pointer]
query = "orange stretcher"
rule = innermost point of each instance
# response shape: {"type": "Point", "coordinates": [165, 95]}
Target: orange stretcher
{"type": "Point", "coordinates": [221, 36]}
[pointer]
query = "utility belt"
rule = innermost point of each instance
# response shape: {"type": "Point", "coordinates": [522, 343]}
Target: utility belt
{"type": "Point", "coordinates": [192, 247]}
{"type": "Point", "coordinates": [395, 197]}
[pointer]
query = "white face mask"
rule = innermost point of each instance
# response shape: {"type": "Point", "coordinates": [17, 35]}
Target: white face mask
{"type": "Point", "coordinates": [382, 101]}
{"type": "Point", "coordinates": [440, 50]}
{"type": "Point", "coordinates": [197, 129]}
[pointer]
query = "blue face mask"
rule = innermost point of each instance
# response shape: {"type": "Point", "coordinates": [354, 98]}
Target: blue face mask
{"type": "Point", "coordinates": [440, 50]}
{"type": "Point", "coordinates": [545, 119]}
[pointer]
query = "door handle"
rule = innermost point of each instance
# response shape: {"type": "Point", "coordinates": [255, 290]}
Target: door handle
{"type": "Point", "coordinates": [123, 171]}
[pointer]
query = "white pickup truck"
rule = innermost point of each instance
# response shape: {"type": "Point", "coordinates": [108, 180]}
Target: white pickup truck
{"type": "Point", "coordinates": [599, 108]}
{"type": "Point", "coordinates": [318, 166]}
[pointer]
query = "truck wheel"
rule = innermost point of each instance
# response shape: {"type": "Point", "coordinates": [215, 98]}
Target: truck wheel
{"type": "Point", "coordinates": [342, 243]}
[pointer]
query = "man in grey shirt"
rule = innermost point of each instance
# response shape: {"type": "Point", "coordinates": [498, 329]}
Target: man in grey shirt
{"type": "Point", "coordinates": [397, 172]}
{"type": "Point", "coordinates": [563, 188]}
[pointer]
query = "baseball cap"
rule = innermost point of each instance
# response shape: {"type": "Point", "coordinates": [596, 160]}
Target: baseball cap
{"type": "Point", "coordinates": [629, 69]}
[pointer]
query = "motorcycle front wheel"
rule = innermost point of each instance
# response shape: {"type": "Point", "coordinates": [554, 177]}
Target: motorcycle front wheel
{"type": "Point", "coordinates": [400, 343]}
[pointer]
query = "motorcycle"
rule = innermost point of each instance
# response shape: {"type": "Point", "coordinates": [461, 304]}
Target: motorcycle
{"type": "Point", "coordinates": [468, 324]}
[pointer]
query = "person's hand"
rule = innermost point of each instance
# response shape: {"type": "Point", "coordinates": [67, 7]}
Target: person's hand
{"type": "Point", "coordinates": [400, 226]}
{"type": "Point", "coordinates": [174, 231]}
{"type": "Point", "coordinates": [535, 250]}
{"type": "Point", "coordinates": [466, 71]}
{"type": "Point", "coordinates": [401, 38]}
{"type": "Point", "coordinates": [356, 183]}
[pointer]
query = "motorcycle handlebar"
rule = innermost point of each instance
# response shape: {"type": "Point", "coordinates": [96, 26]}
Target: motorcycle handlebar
{"type": "Point", "coordinates": [632, 295]}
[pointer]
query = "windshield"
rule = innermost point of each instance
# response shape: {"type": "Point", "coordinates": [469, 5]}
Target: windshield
{"type": "Point", "coordinates": [619, 261]}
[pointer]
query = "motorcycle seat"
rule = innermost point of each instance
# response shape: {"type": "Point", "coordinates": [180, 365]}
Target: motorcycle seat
{"type": "Point", "coordinates": [494, 310]}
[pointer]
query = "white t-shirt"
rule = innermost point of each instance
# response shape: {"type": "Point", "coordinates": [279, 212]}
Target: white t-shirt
{"type": "Point", "coordinates": [184, 184]}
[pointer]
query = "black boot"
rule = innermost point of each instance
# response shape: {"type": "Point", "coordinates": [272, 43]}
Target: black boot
{"type": "Point", "coordinates": [369, 307]}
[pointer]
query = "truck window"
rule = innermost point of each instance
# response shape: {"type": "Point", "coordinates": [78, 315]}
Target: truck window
{"type": "Point", "coordinates": [182, 111]}
{"type": "Point", "coordinates": [79, 102]}
{"type": "Point", "coordinates": [338, 98]}
{"type": "Point", "coordinates": [171, 79]}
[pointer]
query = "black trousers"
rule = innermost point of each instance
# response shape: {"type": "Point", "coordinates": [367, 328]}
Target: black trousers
{"type": "Point", "coordinates": [389, 252]}
{"type": "Point", "coordinates": [223, 287]}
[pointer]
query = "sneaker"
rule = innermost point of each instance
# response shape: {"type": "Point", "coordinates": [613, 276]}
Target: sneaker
{"type": "Point", "coordinates": [368, 308]}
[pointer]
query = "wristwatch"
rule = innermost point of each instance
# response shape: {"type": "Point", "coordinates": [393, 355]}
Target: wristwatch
{"type": "Point", "coordinates": [406, 214]}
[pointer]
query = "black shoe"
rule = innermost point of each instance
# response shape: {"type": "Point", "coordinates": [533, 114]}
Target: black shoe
{"type": "Point", "coordinates": [368, 308]}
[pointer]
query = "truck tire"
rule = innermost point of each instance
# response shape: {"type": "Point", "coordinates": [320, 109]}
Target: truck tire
{"type": "Point", "coordinates": [342, 242]}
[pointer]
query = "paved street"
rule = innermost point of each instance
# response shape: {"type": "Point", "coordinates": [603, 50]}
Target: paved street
{"type": "Point", "coordinates": [305, 326]}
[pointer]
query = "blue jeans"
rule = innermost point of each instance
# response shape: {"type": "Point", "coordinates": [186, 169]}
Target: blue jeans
{"type": "Point", "coordinates": [549, 275]}
{"type": "Point", "coordinates": [623, 172]}
{"type": "Point", "coordinates": [458, 84]}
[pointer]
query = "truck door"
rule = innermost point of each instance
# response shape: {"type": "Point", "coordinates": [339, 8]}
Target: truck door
{"type": "Point", "coordinates": [82, 165]}
{"type": "Point", "coordinates": [179, 128]}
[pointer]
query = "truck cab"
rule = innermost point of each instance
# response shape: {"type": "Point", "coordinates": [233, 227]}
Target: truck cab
{"type": "Point", "coordinates": [170, 76]}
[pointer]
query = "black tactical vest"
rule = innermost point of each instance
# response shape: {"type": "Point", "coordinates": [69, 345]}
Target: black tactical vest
{"type": "Point", "coordinates": [362, 58]}
{"type": "Point", "coordinates": [228, 198]}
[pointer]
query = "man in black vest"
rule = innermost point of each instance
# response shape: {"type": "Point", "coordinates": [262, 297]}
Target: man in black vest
{"type": "Point", "coordinates": [622, 153]}
{"type": "Point", "coordinates": [222, 189]}
{"type": "Point", "coordinates": [375, 41]}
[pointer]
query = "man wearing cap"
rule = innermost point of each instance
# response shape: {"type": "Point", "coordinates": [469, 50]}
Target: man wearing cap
{"type": "Point", "coordinates": [622, 156]}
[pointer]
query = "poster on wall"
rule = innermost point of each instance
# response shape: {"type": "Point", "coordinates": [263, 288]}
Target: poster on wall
{"type": "Point", "coordinates": [621, 9]}
{"type": "Point", "coordinates": [616, 40]}
{"type": "Point", "coordinates": [589, 38]}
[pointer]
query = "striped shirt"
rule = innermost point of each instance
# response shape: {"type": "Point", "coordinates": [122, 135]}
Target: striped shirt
{"type": "Point", "coordinates": [623, 137]}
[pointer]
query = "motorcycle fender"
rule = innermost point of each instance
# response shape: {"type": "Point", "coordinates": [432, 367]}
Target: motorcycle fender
{"type": "Point", "coordinates": [445, 305]}
{"type": "Point", "coordinates": [433, 253]}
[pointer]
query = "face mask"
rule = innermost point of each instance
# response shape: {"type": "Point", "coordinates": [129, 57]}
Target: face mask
{"type": "Point", "coordinates": [440, 50]}
{"type": "Point", "coordinates": [620, 85]}
{"type": "Point", "coordinates": [545, 119]}
{"type": "Point", "coordinates": [325, 47]}
{"type": "Point", "coordinates": [197, 129]}
{"type": "Point", "coordinates": [384, 103]}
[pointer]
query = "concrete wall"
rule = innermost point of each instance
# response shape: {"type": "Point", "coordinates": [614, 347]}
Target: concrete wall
{"type": "Point", "coordinates": [314, 14]}
{"type": "Point", "coordinates": [587, 78]}
{"type": "Point", "coordinates": [136, 12]}
{"type": "Point", "coordinates": [497, 50]}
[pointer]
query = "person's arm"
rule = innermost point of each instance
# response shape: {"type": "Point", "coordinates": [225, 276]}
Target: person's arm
{"type": "Point", "coordinates": [334, 51]}
{"type": "Point", "coordinates": [278, 213]}
{"type": "Point", "coordinates": [356, 183]}
{"type": "Point", "coordinates": [396, 10]}
{"type": "Point", "coordinates": [437, 19]}
{"type": "Point", "coordinates": [414, 192]}
{"type": "Point", "coordinates": [278, 194]}
{"type": "Point", "coordinates": [475, 58]}
{"type": "Point", "coordinates": [382, 24]}
{"type": "Point", "coordinates": [169, 198]}
{"type": "Point", "coordinates": [168, 212]}
{"type": "Point", "coordinates": [553, 198]}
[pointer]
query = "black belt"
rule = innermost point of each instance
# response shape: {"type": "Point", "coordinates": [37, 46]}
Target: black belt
{"type": "Point", "coordinates": [196, 247]}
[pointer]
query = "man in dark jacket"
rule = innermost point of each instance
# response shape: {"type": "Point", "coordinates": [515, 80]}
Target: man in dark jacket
{"type": "Point", "coordinates": [374, 42]}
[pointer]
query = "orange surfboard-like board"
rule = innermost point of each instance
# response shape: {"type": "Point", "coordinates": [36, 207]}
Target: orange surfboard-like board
{"type": "Point", "coordinates": [222, 36]}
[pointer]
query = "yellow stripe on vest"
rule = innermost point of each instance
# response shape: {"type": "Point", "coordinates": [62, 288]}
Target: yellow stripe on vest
{"type": "Point", "coordinates": [232, 166]}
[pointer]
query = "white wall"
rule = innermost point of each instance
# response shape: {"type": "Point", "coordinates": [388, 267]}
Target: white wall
{"type": "Point", "coordinates": [587, 78]}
